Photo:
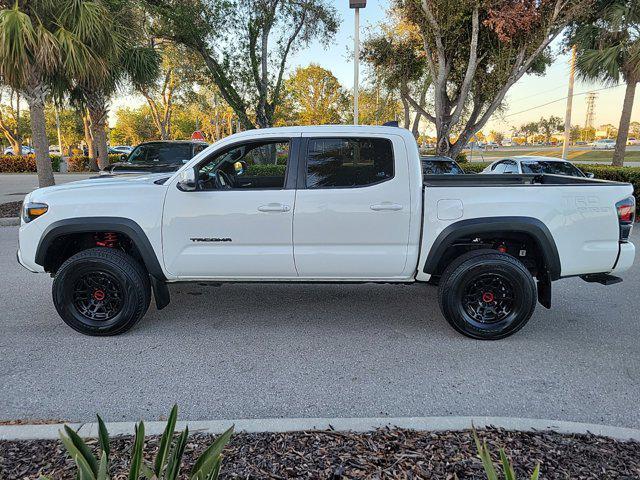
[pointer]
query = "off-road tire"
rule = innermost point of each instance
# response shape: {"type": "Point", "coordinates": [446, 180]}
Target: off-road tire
{"type": "Point", "coordinates": [121, 273]}
{"type": "Point", "coordinates": [510, 288]}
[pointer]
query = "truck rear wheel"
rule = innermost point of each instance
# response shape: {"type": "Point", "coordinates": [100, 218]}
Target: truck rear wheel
{"type": "Point", "coordinates": [487, 295]}
{"type": "Point", "coordinates": [101, 291]}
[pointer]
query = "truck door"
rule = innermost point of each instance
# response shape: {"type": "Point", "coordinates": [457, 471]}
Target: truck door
{"type": "Point", "coordinates": [238, 223]}
{"type": "Point", "coordinates": [353, 208]}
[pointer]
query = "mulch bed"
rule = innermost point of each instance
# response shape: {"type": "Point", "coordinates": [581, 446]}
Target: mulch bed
{"type": "Point", "coordinates": [384, 453]}
{"type": "Point", "coordinates": [10, 209]}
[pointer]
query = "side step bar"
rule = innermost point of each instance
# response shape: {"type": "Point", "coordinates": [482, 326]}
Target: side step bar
{"type": "Point", "coordinates": [602, 278]}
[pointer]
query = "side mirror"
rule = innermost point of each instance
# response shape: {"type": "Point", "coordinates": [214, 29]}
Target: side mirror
{"type": "Point", "coordinates": [187, 181]}
{"type": "Point", "coordinates": [123, 157]}
{"type": "Point", "coordinates": [590, 175]}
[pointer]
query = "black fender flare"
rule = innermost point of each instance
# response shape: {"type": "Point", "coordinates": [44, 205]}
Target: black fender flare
{"type": "Point", "coordinates": [477, 226]}
{"type": "Point", "coordinates": [125, 226]}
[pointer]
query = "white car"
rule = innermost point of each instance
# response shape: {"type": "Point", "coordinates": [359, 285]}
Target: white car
{"type": "Point", "coordinates": [54, 150]}
{"type": "Point", "coordinates": [535, 164]}
{"type": "Point", "coordinates": [26, 150]}
{"type": "Point", "coordinates": [633, 141]}
{"type": "Point", "coordinates": [604, 144]}
{"type": "Point", "coordinates": [324, 204]}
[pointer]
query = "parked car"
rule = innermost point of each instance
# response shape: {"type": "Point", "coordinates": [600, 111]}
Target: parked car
{"type": "Point", "coordinates": [26, 150]}
{"type": "Point", "coordinates": [604, 144]}
{"type": "Point", "coordinates": [55, 150]}
{"type": "Point", "coordinates": [440, 165]}
{"type": "Point", "coordinates": [633, 141]}
{"type": "Point", "coordinates": [157, 157]}
{"type": "Point", "coordinates": [122, 149]}
{"type": "Point", "coordinates": [535, 164]}
{"type": "Point", "coordinates": [324, 204]}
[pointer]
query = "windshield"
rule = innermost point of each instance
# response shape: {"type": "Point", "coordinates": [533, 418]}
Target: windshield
{"type": "Point", "coordinates": [172, 153]}
{"type": "Point", "coordinates": [440, 167]}
{"type": "Point", "coordinates": [555, 168]}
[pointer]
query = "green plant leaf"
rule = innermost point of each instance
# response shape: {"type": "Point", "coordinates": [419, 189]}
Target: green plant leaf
{"type": "Point", "coordinates": [165, 442]}
{"type": "Point", "coordinates": [103, 469]}
{"type": "Point", "coordinates": [175, 459]}
{"type": "Point", "coordinates": [136, 453]}
{"type": "Point", "coordinates": [83, 449]}
{"type": "Point", "coordinates": [215, 470]}
{"type": "Point", "coordinates": [148, 472]}
{"type": "Point", "coordinates": [103, 437]}
{"type": "Point", "coordinates": [507, 469]}
{"type": "Point", "coordinates": [536, 473]}
{"type": "Point", "coordinates": [485, 457]}
{"type": "Point", "coordinates": [84, 470]}
{"type": "Point", "coordinates": [206, 461]}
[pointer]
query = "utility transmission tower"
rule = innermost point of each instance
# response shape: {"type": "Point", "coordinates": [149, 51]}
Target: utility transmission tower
{"type": "Point", "coordinates": [590, 119]}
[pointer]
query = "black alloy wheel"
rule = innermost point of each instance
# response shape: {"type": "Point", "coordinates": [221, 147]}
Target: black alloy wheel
{"type": "Point", "coordinates": [487, 295]}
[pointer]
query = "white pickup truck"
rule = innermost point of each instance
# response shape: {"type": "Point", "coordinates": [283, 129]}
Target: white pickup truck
{"type": "Point", "coordinates": [324, 204]}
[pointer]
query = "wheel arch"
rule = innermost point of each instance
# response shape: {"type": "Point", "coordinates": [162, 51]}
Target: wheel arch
{"type": "Point", "coordinates": [120, 225]}
{"type": "Point", "coordinates": [529, 226]}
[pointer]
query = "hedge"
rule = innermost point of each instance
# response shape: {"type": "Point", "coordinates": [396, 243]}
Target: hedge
{"type": "Point", "coordinates": [24, 163]}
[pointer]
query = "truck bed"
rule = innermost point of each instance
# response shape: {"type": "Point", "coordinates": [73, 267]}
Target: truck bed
{"type": "Point", "coordinates": [501, 180]}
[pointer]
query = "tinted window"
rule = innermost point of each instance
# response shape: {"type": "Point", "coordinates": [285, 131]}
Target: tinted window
{"type": "Point", "coordinates": [499, 167]}
{"type": "Point", "coordinates": [348, 162]}
{"type": "Point", "coordinates": [249, 166]}
{"type": "Point", "coordinates": [556, 168]}
{"type": "Point", "coordinates": [510, 167]}
{"type": "Point", "coordinates": [176, 153]}
{"type": "Point", "coordinates": [430, 167]}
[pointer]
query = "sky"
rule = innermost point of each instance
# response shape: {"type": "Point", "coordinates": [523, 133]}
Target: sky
{"type": "Point", "coordinates": [525, 101]}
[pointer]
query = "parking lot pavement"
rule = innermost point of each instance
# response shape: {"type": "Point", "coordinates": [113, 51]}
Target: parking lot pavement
{"type": "Point", "coordinates": [14, 186]}
{"type": "Point", "coordinates": [256, 351]}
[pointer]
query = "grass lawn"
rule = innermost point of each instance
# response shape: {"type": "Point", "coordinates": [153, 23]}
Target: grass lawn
{"type": "Point", "coordinates": [574, 155]}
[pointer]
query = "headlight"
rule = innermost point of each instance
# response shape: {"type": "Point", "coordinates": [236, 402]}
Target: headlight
{"type": "Point", "coordinates": [32, 210]}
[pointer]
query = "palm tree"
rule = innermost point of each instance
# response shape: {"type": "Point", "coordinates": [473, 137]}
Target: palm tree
{"type": "Point", "coordinates": [127, 56]}
{"type": "Point", "coordinates": [608, 49]}
{"type": "Point", "coordinates": [44, 39]}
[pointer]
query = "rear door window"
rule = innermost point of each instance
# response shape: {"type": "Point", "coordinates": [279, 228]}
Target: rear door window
{"type": "Point", "coordinates": [348, 162]}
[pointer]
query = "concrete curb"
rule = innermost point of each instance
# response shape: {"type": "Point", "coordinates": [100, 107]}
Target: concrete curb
{"type": "Point", "coordinates": [9, 222]}
{"type": "Point", "coordinates": [90, 430]}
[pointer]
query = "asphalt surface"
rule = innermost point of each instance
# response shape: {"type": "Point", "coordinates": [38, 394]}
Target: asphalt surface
{"type": "Point", "coordinates": [268, 351]}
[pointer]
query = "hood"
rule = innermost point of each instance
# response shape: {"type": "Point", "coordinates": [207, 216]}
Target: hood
{"type": "Point", "coordinates": [107, 181]}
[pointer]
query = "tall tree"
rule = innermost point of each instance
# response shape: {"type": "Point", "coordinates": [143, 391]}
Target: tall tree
{"type": "Point", "coordinates": [40, 39]}
{"type": "Point", "coordinates": [549, 126]}
{"type": "Point", "coordinates": [476, 51]}
{"type": "Point", "coordinates": [246, 45]}
{"type": "Point", "coordinates": [316, 96]}
{"type": "Point", "coordinates": [178, 72]}
{"type": "Point", "coordinates": [608, 48]}
{"type": "Point", "coordinates": [394, 52]}
{"type": "Point", "coordinates": [12, 126]}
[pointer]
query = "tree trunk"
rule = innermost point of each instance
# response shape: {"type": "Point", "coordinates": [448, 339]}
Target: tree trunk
{"type": "Point", "coordinates": [35, 94]}
{"type": "Point", "coordinates": [97, 107]}
{"type": "Point", "coordinates": [88, 139]}
{"type": "Point", "coordinates": [625, 120]}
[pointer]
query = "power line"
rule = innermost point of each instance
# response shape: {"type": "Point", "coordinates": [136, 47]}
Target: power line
{"type": "Point", "coordinates": [560, 99]}
{"type": "Point", "coordinates": [537, 94]}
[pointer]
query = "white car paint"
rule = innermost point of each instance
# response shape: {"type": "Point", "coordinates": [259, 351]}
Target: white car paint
{"type": "Point", "coordinates": [604, 144]}
{"type": "Point", "coordinates": [381, 232]}
{"type": "Point", "coordinates": [519, 159]}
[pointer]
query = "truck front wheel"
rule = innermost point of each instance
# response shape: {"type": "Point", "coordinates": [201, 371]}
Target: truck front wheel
{"type": "Point", "coordinates": [487, 295]}
{"type": "Point", "coordinates": [101, 291]}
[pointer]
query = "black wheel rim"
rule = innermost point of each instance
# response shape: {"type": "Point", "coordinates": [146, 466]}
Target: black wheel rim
{"type": "Point", "coordinates": [489, 298]}
{"type": "Point", "coordinates": [97, 295]}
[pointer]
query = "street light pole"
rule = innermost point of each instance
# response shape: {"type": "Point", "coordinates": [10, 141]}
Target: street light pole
{"type": "Point", "coordinates": [567, 115]}
{"type": "Point", "coordinates": [357, 5]}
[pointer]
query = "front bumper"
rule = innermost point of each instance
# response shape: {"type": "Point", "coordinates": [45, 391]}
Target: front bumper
{"type": "Point", "coordinates": [19, 258]}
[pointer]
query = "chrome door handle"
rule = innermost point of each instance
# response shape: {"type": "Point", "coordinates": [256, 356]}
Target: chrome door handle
{"type": "Point", "coordinates": [385, 206]}
{"type": "Point", "coordinates": [274, 207]}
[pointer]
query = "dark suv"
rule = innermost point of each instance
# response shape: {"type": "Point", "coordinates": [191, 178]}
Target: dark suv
{"type": "Point", "coordinates": [158, 157]}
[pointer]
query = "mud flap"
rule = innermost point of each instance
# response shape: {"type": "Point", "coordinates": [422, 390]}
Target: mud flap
{"type": "Point", "coordinates": [544, 290]}
{"type": "Point", "coordinates": [160, 292]}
